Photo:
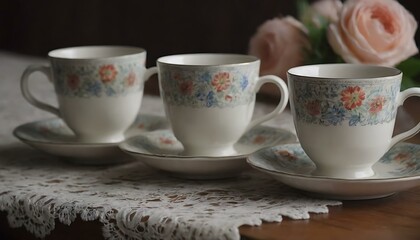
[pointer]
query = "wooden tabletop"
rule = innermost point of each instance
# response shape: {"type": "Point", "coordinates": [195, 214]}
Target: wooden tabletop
{"type": "Point", "coordinates": [395, 217]}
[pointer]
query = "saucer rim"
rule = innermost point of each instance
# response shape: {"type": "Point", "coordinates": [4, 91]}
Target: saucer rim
{"type": "Point", "coordinates": [337, 180]}
{"type": "Point", "coordinates": [18, 129]}
{"type": "Point", "coordinates": [291, 137]}
{"type": "Point", "coordinates": [194, 169]}
{"type": "Point", "coordinates": [341, 189]}
{"type": "Point", "coordinates": [182, 158]}
{"type": "Point", "coordinates": [326, 178]}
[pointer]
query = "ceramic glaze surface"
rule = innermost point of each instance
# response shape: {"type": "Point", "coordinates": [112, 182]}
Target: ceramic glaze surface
{"type": "Point", "coordinates": [102, 119]}
{"type": "Point", "coordinates": [345, 151]}
{"type": "Point", "coordinates": [223, 127]}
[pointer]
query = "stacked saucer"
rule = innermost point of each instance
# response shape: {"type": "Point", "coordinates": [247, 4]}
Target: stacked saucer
{"type": "Point", "coordinates": [162, 151]}
{"type": "Point", "coordinates": [53, 136]}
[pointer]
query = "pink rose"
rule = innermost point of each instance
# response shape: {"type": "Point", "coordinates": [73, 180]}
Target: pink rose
{"type": "Point", "coordinates": [377, 32]}
{"type": "Point", "coordinates": [280, 43]}
{"type": "Point", "coordinates": [327, 9]}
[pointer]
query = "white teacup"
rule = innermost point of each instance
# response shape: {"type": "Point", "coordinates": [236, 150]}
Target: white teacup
{"type": "Point", "coordinates": [99, 89]}
{"type": "Point", "coordinates": [209, 99]}
{"type": "Point", "coordinates": [344, 115]}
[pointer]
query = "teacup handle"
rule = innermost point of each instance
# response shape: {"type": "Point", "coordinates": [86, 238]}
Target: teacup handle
{"type": "Point", "coordinates": [149, 72]}
{"type": "Point", "coordinates": [284, 97]}
{"type": "Point", "coordinates": [24, 86]}
{"type": "Point", "coordinates": [411, 92]}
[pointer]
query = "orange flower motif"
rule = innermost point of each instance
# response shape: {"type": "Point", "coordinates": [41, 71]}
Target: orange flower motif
{"type": "Point", "coordinates": [313, 108]}
{"type": "Point", "coordinates": [259, 139]}
{"type": "Point", "coordinates": [130, 80]}
{"type": "Point", "coordinates": [177, 76]}
{"type": "Point", "coordinates": [402, 156]}
{"type": "Point", "coordinates": [164, 140]}
{"type": "Point", "coordinates": [73, 81]}
{"type": "Point", "coordinates": [288, 155]}
{"type": "Point", "coordinates": [221, 81]}
{"type": "Point", "coordinates": [186, 87]}
{"type": "Point", "coordinates": [411, 165]}
{"type": "Point", "coordinates": [352, 97]}
{"type": "Point", "coordinates": [377, 104]}
{"type": "Point", "coordinates": [228, 98]}
{"type": "Point", "coordinates": [107, 73]}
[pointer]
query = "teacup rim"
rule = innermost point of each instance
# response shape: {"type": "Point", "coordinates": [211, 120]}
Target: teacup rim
{"type": "Point", "coordinates": [57, 54]}
{"type": "Point", "coordinates": [397, 72]}
{"type": "Point", "coordinates": [247, 59]}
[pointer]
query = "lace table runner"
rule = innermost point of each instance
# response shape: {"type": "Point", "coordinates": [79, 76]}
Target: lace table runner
{"type": "Point", "coordinates": [131, 200]}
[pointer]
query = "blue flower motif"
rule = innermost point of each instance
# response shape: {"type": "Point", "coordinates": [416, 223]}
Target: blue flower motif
{"type": "Point", "coordinates": [110, 92]}
{"type": "Point", "coordinates": [94, 88]}
{"type": "Point", "coordinates": [334, 115]}
{"type": "Point", "coordinates": [200, 95]}
{"type": "Point", "coordinates": [205, 77]}
{"type": "Point", "coordinates": [211, 100]}
{"type": "Point", "coordinates": [244, 82]}
{"type": "Point", "coordinates": [354, 120]}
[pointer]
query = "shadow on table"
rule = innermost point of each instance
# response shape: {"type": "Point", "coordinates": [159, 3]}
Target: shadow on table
{"type": "Point", "coordinates": [79, 229]}
{"type": "Point", "coordinates": [22, 156]}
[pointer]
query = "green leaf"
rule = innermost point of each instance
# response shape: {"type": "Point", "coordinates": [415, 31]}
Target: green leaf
{"type": "Point", "coordinates": [302, 7]}
{"type": "Point", "coordinates": [408, 82]}
{"type": "Point", "coordinates": [411, 72]}
{"type": "Point", "coordinates": [410, 67]}
{"type": "Point", "coordinates": [320, 50]}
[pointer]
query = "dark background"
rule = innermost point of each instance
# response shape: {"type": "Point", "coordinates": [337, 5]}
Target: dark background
{"type": "Point", "coordinates": [162, 27]}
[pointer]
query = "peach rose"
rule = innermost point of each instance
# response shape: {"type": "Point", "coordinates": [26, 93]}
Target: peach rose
{"type": "Point", "coordinates": [377, 32]}
{"type": "Point", "coordinates": [327, 9]}
{"type": "Point", "coordinates": [280, 43]}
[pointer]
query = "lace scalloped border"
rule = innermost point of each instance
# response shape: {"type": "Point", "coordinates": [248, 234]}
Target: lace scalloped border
{"type": "Point", "coordinates": [37, 214]}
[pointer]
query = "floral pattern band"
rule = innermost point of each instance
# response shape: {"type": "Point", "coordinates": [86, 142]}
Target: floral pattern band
{"type": "Point", "coordinates": [208, 87]}
{"type": "Point", "coordinates": [356, 103]}
{"type": "Point", "coordinates": [97, 80]}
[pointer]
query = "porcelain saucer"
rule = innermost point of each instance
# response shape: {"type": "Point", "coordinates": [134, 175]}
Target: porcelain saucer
{"type": "Point", "coordinates": [162, 151]}
{"type": "Point", "coordinates": [397, 170]}
{"type": "Point", "coordinates": [54, 137]}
